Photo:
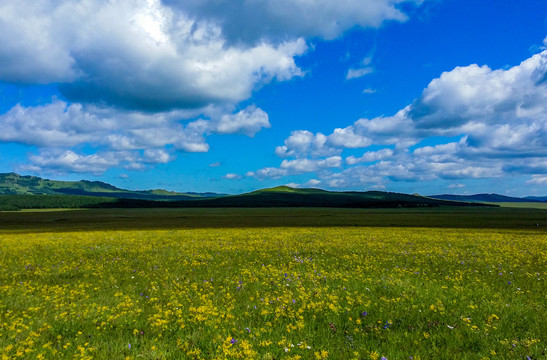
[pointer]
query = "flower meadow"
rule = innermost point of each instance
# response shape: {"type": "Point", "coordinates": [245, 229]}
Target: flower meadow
{"type": "Point", "coordinates": [274, 293]}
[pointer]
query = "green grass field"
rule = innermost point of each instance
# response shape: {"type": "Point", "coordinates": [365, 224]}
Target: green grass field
{"type": "Point", "coordinates": [529, 205]}
{"type": "Point", "coordinates": [130, 219]}
{"type": "Point", "coordinates": [273, 284]}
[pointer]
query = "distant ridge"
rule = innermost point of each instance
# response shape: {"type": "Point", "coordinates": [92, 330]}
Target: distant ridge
{"type": "Point", "coordinates": [284, 196]}
{"type": "Point", "coordinates": [31, 192]}
{"type": "Point", "coordinates": [15, 184]}
{"type": "Point", "coordinates": [493, 198]}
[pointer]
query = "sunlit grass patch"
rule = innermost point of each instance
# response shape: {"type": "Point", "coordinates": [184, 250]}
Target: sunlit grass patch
{"type": "Point", "coordinates": [307, 293]}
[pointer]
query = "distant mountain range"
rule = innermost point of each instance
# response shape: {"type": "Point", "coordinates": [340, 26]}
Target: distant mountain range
{"type": "Point", "coordinates": [27, 192]}
{"type": "Point", "coordinates": [284, 196]}
{"type": "Point", "coordinates": [15, 184]}
{"type": "Point", "coordinates": [20, 192]}
{"type": "Point", "coordinates": [490, 198]}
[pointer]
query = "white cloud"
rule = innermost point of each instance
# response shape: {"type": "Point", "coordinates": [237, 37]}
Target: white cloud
{"type": "Point", "coordinates": [248, 121]}
{"type": "Point", "coordinates": [55, 124]}
{"type": "Point", "coordinates": [69, 161]}
{"type": "Point", "coordinates": [268, 172]}
{"type": "Point", "coordinates": [456, 186]}
{"type": "Point", "coordinates": [59, 126]}
{"type": "Point", "coordinates": [249, 21]}
{"type": "Point", "coordinates": [312, 183]}
{"type": "Point", "coordinates": [348, 138]}
{"type": "Point", "coordinates": [156, 156]}
{"type": "Point", "coordinates": [66, 161]}
{"type": "Point", "coordinates": [135, 54]}
{"type": "Point", "coordinates": [370, 156]}
{"type": "Point", "coordinates": [473, 172]}
{"type": "Point", "coordinates": [29, 53]}
{"type": "Point", "coordinates": [232, 176]}
{"type": "Point", "coordinates": [304, 143]}
{"type": "Point", "coordinates": [369, 91]}
{"type": "Point", "coordinates": [159, 55]}
{"type": "Point", "coordinates": [537, 180]}
{"type": "Point", "coordinates": [141, 76]}
{"type": "Point", "coordinates": [354, 177]}
{"type": "Point", "coordinates": [298, 166]}
{"type": "Point", "coordinates": [499, 116]}
{"type": "Point", "coordinates": [358, 72]}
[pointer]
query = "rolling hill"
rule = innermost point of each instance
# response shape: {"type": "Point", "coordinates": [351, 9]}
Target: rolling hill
{"type": "Point", "coordinates": [284, 196]}
{"type": "Point", "coordinates": [15, 184]}
{"type": "Point", "coordinates": [30, 192]}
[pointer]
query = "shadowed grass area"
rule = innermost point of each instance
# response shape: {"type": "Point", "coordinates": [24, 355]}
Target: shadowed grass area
{"type": "Point", "coordinates": [119, 219]}
{"type": "Point", "coordinates": [529, 205]}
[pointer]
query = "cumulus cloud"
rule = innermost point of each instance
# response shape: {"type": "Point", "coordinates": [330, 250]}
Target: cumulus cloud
{"type": "Point", "coordinates": [140, 76]}
{"type": "Point", "coordinates": [304, 143]}
{"type": "Point", "coordinates": [348, 138]}
{"type": "Point", "coordinates": [498, 116]}
{"type": "Point", "coordinates": [134, 54]}
{"type": "Point", "coordinates": [158, 55]}
{"type": "Point", "coordinates": [156, 156]}
{"type": "Point", "coordinates": [248, 121]}
{"type": "Point", "coordinates": [298, 166]}
{"type": "Point", "coordinates": [312, 183]}
{"type": "Point", "coordinates": [250, 21]}
{"type": "Point", "coordinates": [268, 172]}
{"type": "Point", "coordinates": [538, 180]}
{"type": "Point", "coordinates": [370, 156]}
{"type": "Point", "coordinates": [59, 127]}
{"type": "Point", "coordinates": [232, 176]}
{"type": "Point", "coordinates": [69, 161]}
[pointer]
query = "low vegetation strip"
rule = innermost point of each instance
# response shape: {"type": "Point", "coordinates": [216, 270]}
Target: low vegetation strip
{"type": "Point", "coordinates": [251, 200]}
{"type": "Point", "coordinates": [20, 202]}
{"type": "Point", "coordinates": [33, 221]}
{"type": "Point", "coordinates": [274, 293]}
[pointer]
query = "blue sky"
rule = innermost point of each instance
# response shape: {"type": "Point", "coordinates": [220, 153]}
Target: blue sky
{"type": "Point", "coordinates": [432, 96]}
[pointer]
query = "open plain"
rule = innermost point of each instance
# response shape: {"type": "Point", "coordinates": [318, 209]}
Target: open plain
{"type": "Point", "coordinates": [273, 284]}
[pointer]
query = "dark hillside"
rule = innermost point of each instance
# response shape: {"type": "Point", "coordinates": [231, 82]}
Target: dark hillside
{"type": "Point", "coordinates": [493, 198]}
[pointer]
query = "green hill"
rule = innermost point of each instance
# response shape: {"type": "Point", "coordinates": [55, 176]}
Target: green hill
{"type": "Point", "coordinates": [30, 192]}
{"type": "Point", "coordinates": [284, 196]}
{"type": "Point", "coordinates": [15, 184]}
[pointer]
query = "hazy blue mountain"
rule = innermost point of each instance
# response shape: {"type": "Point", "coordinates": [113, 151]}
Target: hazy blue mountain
{"type": "Point", "coordinates": [494, 198]}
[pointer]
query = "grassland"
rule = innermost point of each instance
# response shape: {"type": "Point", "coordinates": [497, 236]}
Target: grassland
{"type": "Point", "coordinates": [529, 205]}
{"type": "Point", "coordinates": [273, 284]}
{"type": "Point", "coordinates": [147, 219]}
